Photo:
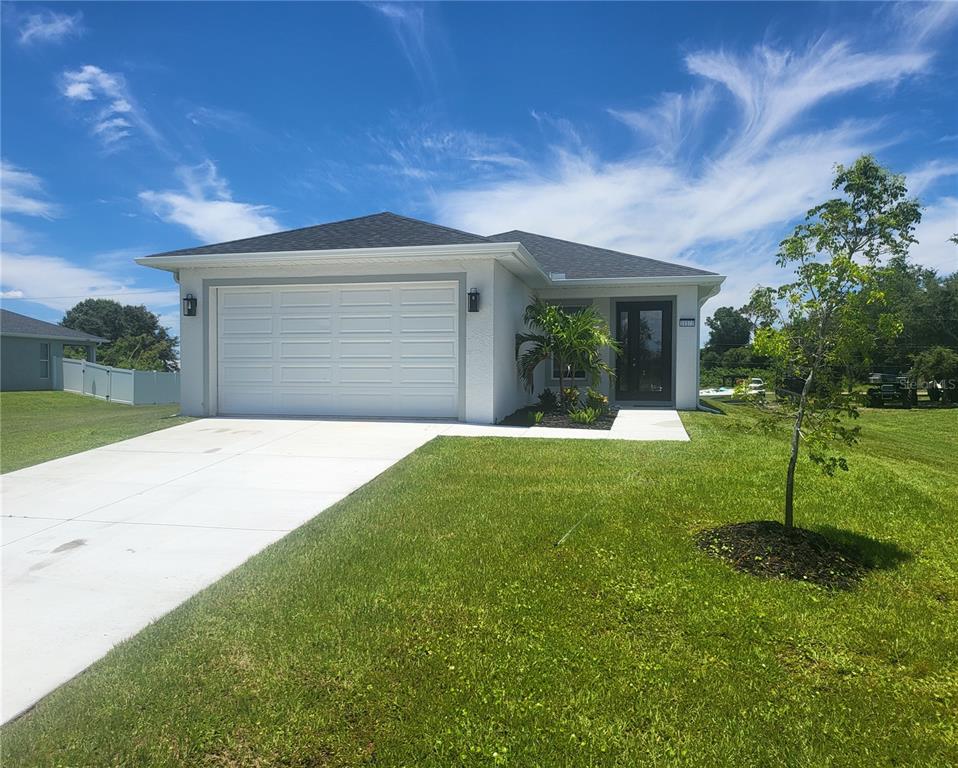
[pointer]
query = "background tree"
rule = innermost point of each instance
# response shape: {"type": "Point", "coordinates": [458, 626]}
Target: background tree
{"type": "Point", "coordinates": [806, 324]}
{"type": "Point", "coordinates": [137, 340]}
{"type": "Point", "coordinates": [728, 328]}
{"type": "Point", "coordinates": [938, 365]}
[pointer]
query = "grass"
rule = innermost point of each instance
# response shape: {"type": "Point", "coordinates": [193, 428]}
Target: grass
{"type": "Point", "coordinates": [39, 426]}
{"type": "Point", "coordinates": [429, 619]}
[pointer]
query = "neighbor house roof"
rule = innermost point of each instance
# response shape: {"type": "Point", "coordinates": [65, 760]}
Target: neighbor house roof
{"type": "Point", "coordinates": [389, 230]}
{"type": "Point", "coordinates": [15, 324]}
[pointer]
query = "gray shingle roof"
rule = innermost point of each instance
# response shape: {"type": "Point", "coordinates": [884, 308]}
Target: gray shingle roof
{"type": "Point", "coordinates": [577, 260]}
{"type": "Point", "coordinates": [384, 230]}
{"type": "Point", "coordinates": [378, 230]}
{"type": "Point", "coordinates": [14, 324]}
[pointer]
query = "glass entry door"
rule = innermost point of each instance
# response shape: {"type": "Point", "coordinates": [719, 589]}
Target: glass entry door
{"type": "Point", "coordinates": [644, 367]}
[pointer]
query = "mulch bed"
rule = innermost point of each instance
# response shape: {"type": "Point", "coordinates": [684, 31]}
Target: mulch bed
{"type": "Point", "coordinates": [524, 418]}
{"type": "Point", "coordinates": [767, 549]}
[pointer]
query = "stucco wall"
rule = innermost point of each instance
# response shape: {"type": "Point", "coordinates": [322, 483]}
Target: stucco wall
{"type": "Point", "coordinates": [197, 352]}
{"type": "Point", "coordinates": [686, 304]}
{"type": "Point", "coordinates": [20, 364]}
{"type": "Point", "coordinates": [490, 386]}
{"type": "Point", "coordinates": [510, 297]}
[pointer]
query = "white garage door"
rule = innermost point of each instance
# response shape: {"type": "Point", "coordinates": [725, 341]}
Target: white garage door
{"type": "Point", "coordinates": [370, 349]}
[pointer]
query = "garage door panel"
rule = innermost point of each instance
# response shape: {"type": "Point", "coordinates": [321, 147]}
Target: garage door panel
{"type": "Point", "coordinates": [383, 349]}
{"type": "Point", "coordinates": [289, 350]}
{"type": "Point", "coordinates": [354, 323]}
{"type": "Point", "coordinates": [366, 374]}
{"type": "Point", "coordinates": [425, 349]}
{"type": "Point", "coordinates": [366, 297]}
{"type": "Point", "coordinates": [299, 374]}
{"type": "Point", "coordinates": [240, 300]}
{"type": "Point", "coordinates": [366, 349]}
{"type": "Point", "coordinates": [308, 299]}
{"type": "Point", "coordinates": [423, 323]}
{"type": "Point", "coordinates": [427, 374]}
{"type": "Point", "coordinates": [248, 374]}
{"type": "Point", "coordinates": [428, 296]}
{"type": "Point", "coordinates": [247, 350]}
{"type": "Point", "coordinates": [245, 326]}
{"type": "Point", "coordinates": [296, 324]}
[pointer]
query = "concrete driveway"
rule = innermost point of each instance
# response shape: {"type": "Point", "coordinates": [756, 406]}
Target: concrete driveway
{"type": "Point", "coordinates": [97, 545]}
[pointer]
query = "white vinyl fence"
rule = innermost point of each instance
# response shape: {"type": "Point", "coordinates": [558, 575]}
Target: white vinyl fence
{"type": "Point", "coordinates": [120, 385]}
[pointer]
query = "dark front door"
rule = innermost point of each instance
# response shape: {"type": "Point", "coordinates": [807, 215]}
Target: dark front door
{"type": "Point", "coordinates": [644, 367]}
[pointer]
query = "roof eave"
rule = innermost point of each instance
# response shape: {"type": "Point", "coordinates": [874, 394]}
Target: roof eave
{"type": "Point", "coordinates": [54, 337]}
{"type": "Point", "coordinates": [715, 280]}
{"type": "Point", "coordinates": [521, 260]}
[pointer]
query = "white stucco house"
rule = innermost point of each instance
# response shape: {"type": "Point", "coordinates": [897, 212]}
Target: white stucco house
{"type": "Point", "coordinates": [389, 316]}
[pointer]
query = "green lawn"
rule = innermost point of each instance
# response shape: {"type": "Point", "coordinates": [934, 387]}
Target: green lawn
{"type": "Point", "coordinates": [39, 426]}
{"type": "Point", "coordinates": [430, 620]}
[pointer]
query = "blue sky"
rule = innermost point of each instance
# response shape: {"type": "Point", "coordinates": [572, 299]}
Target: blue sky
{"type": "Point", "coordinates": [688, 132]}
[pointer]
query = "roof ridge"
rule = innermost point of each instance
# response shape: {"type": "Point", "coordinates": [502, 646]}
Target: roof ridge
{"type": "Point", "coordinates": [599, 248]}
{"type": "Point", "coordinates": [283, 231]}
{"type": "Point", "coordinates": [431, 224]}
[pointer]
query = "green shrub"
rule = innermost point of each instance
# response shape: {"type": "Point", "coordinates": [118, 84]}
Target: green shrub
{"type": "Point", "coordinates": [570, 398]}
{"type": "Point", "coordinates": [548, 400]}
{"type": "Point", "coordinates": [537, 417]}
{"type": "Point", "coordinates": [585, 415]}
{"type": "Point", "coordinates": [595, 399]}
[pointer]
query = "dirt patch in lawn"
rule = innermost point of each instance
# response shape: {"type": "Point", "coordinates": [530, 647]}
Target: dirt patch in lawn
{"type": "Point", "coordinates": [767, 549]}
{"type": "Point", "coordinates": [525, 417]}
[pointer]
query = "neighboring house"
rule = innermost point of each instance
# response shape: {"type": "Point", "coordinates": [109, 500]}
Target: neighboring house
{"type": "Point", "coordinates": [389, 316]}
{"type": "Point", "coordinates": [31, 351]}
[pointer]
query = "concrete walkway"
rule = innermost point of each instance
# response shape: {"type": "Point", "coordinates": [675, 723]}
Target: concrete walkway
{"type": "Point", "coordinates": [97, 545]}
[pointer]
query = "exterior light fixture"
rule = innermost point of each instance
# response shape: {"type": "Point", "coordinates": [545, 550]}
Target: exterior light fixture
{"type": "Point", "coordinates": [189, 305]}
{"type": "Point", "coordinates": [474, 300]}
{"type": "Point", "coordinates": [687, 322]}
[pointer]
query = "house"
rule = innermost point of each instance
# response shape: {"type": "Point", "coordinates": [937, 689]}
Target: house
{"type": "Point", "coordinates": [389, 316]}
{"type": "Point", "coordinates": [31, 351]}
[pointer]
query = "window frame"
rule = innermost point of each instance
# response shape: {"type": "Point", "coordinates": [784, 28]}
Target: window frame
{"type": "Point", "coordinates": [45, 360]}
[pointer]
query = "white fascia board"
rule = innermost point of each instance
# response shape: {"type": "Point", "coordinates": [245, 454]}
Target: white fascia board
{"type": "Point", "coordinates": [425, 253]}
{"type": "Point", "coordinates": [712, 280]}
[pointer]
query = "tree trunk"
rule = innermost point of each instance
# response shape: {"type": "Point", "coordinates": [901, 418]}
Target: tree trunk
{"type": "Point", "coordinates": [793, 459]}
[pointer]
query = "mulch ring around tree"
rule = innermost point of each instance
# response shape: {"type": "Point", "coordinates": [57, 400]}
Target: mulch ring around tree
{"type": "Point", "coordinates": [767, 549]}
{"type": "Point", "coordinates": [524, 417]}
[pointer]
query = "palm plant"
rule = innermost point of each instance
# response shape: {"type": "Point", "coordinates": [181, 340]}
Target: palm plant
{"type": "Point", "coordinates": [575, 340]}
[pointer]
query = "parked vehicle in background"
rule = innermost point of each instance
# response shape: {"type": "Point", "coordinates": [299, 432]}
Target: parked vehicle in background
{"type": "Point", "coordinates": [756, 387]}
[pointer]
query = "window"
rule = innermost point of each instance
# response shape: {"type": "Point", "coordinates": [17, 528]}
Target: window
{"type": "Point", "coordinates": [44, 361]}
{"type": "Point", "coordinates": [579, 375]}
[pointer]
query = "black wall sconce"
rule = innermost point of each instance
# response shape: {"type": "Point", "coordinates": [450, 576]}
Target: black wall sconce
{"type": "Point", "coordinates": [686, 322]}
{"type": "Point", "coordinates": [189, 305]}
{"type": "Point", "coordinates": [473, 300]}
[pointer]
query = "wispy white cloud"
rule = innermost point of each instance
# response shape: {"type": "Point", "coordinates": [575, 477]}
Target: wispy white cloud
{"type": "Point", "coordinates": [917, 23]}
{"type": "Point", "coordinates": [926, 175]}
{"type": "Point", "coordinates": [728, 209]}
{"type": "Point", "coordinates": [115, 114]}
{"type": "Point", "coordinates": [773, 88]}
{"type": "Point", "coordinates": [408, 23]}
{"type": "Point", "coordinates": [670, 123]}
{"type": "Point", "coordinates": [57, 283]}
{"type": "Point", "coordinates": [22, 192]}
{"type": "Point", "coordinates": [939, 222]}
{"type": "Point", "coordinates": [205, 206]}
{"type": "Point", "coordinates": [48, 27]}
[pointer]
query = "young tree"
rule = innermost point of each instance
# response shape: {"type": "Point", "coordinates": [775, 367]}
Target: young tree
{"type": "Point", "coordinates": [574, 340]}
{"type": "Point", "coordinates": [807, 324]}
